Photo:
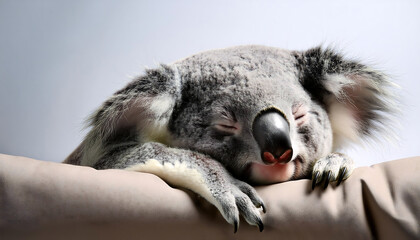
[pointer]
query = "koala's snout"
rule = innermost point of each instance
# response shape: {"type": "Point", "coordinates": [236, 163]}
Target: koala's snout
{"type": "Point", "coordinates": [272, 133]}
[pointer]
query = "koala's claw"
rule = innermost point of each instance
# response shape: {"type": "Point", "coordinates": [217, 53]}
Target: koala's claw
{"type": "Point", "coordinates": [259, 204]}
{"type": "Point", "coordinates": [343, 173]}
{"type": "Point", "coordinates": [327, 181]}
{"type": "Point", "coordinates": [263, 207]}
{"type": "Point", "coordinates": [333, 167]}
{"type": "Point", "coordinates": [235, 226]}
{"type": "Point", "coordinates": [315, 179]}
{"type": "Point", "coordinates": [260, 225]}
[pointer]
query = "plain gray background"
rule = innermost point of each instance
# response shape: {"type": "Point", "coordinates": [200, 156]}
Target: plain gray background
{"type": "Point", "coordinates": [60, 59]}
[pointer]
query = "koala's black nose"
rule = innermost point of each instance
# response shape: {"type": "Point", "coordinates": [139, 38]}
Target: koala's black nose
{"type": "Point", "coordinates": [271, 131]}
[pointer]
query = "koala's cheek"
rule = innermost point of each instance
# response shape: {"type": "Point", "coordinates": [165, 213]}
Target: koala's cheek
{"type": "Point", "coordinates": [267, 174]}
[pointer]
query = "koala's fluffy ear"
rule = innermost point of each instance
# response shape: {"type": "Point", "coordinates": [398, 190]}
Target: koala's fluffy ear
{"type": "Point", "coordinates": [145, 102]}
{"type": "Point", "coordinates": [140, 110]}
{"type": "Point", "coordinates": [359, 100]}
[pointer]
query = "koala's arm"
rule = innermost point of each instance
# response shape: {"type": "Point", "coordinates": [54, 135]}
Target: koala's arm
{"type": "Point", "coordinates": [129, 130]}
{"type": "Point", "coordinates": [197, 172]}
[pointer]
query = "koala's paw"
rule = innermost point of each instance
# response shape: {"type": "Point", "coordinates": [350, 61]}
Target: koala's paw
{"type": "Point", "coordinates": [333, 167]}
{"type": "Point", "coordinates": [240, 198]}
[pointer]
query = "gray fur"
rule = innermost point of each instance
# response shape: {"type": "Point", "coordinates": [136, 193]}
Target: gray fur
{"type": "Point", "coordinates": [199, 112]}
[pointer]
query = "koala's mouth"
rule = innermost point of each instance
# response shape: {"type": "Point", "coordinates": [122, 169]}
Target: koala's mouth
{"type": "Point", "coordinates": [260, 173]}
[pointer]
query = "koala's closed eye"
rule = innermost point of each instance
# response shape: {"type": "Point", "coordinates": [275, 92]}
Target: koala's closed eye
{"type": "Point", "coordinates": [225, 123]}
{"type": "Point", "coordinates": [227, 128]}
{"type": "Point", "coordinates": [300, 114]}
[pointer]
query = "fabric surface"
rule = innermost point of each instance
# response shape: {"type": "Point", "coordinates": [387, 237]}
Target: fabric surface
{"type": "Point", "coordinates": [45, 200]}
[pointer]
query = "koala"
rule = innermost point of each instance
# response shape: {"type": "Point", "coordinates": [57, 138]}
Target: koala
{"type": "Point", "coordinates": [221, 121]}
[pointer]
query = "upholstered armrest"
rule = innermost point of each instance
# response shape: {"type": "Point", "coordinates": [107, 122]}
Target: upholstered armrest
{"type": "Point", "coordinates": [41, 199]}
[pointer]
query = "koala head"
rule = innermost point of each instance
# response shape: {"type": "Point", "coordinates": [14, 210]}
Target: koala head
{"type": "Point", "coordinates": [268, 114]}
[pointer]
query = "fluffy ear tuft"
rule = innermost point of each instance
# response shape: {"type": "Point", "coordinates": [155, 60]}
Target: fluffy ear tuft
{"type": "Point", "coordinates": [359, 100]}
{"type": "Point", "coordinates": [138, 112]}
{"type": "Point", "coordinates": [150, 96]}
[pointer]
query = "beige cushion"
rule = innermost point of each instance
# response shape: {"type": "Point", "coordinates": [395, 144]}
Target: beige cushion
{"type": "Point", "coordinates": [45, 200]}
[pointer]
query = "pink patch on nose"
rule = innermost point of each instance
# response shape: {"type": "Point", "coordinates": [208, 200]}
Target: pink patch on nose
{"type": "Point", "coordinates": [286, 156]}
{"type": "Point", "coordinates": [268, 157]}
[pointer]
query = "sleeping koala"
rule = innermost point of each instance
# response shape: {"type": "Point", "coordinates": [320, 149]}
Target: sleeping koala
{"type": "Point", "coordinates": [220, 120]}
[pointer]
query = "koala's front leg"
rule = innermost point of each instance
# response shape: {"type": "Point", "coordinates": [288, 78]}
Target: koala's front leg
{"type": "Point", "coordinates": [198, 173]}
{"type": "Point", "coordinates": [331, 168]}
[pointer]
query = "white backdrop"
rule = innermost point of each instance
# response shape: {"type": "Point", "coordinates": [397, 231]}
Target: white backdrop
{"type": "Point", "coordinates": [60, 59]}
